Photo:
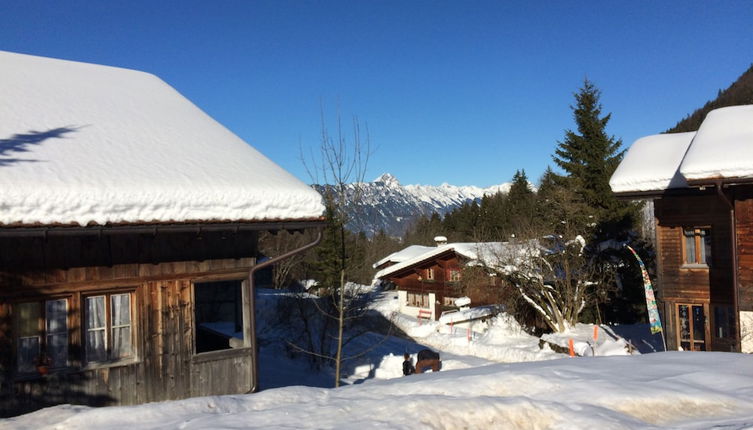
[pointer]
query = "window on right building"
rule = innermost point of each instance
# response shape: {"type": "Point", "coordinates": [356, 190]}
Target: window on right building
{"type": "Point", "coordinates": [697, 246]}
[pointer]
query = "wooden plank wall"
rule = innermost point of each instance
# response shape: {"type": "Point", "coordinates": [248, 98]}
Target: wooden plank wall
{"type": "Point", "coordinates": [694, 284]}
{"type": "Point", "coordinates": [165, 368]}
{"type": "Point", "coordinates": [677, 284]}
{"type": "Point", "coordinates": [744, 229]}
{"type": "Point", "coordinates": [440, 285]}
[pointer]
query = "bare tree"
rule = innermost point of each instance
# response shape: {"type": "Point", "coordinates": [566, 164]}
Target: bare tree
{"type": "Point", "coordinates": [340, 167]}
{"type": "Point", "coordinates": [558, 280]}
{"type": "Point", "coordinates": [278, 243]}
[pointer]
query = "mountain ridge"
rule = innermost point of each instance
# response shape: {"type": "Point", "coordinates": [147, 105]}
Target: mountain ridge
{"type": "Point", "coordinates": [384, 204]}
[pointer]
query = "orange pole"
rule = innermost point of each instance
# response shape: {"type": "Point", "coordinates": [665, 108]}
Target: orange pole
{"type": "Point", "coordinates": [596, 333]}
{"type": "Point", "coordinates": [572, 348]}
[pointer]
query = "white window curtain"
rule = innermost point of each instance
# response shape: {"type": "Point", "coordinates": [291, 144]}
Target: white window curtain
{"type": "Point", "coordinates": [96, 329]}
{"type": "Point", "coordinates": [121, 325]}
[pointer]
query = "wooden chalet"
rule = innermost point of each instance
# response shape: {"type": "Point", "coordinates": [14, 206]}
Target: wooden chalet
{"type": "Point", "coordinates": [128, 239]}
{"type": "Point", "coordinates": [701, 184]}
{"type": "Point", "coordinates": [428, 282]}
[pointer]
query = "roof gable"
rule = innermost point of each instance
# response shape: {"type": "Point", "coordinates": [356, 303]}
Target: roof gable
{"type": "Point", "coordinates": [485, 253]}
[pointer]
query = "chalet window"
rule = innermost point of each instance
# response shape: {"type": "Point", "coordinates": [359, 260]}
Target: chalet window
{"type": "Point", "coordinates": [724, 322]}
{"type": "Point", "coordinates": [42, 335]}
{"type": "Point", "coordinates": [418, 300]}
{"type": "Point", "coordinates": [454, 275]}
{"type": "Point", "coordinates": [697, 246]}
{"type": "Point", "coordinates": [219, 315]}
{"type": "Point", "coordinates": [691, 320]}
{"type": "Point", "coordinates": [108, 327]}
{"type": "Point", "coordinates": [430, 274]}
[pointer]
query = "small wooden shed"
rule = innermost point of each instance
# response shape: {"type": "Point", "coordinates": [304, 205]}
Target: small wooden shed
{"type": "Point", "coordinates": [701, 186]}
{"type": "Point", "coordinates": [128, 239]}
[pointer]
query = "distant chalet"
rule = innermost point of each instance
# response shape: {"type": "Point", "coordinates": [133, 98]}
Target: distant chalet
{"type": "Point", "coordinates": [702, 186]}
{"type": "Point", "coordinates": [128, 236]}
{"type": "Point", "coordinates": [427, 279]}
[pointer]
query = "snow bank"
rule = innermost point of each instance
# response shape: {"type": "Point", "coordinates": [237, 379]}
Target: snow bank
{"type": "Point", "coordinates": [662, 390]}
{"type": "Point", "coordinates": [607, 343]}
{"type": "Point", "coordinates": [89, 144]}
{"type": "Point", "coordinates": [723, 147]}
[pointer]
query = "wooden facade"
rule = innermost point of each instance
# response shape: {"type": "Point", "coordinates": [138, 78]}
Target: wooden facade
{"type": "Point", "coordinates": [700, 300]}
{"type": "Point", "coordinates": [434, 284]}
{"type": "Point", "coordinates": [156, 275]}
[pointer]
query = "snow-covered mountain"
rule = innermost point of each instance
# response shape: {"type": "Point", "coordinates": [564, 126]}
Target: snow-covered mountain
{"type": "Point", "coordinates": [385, 204]}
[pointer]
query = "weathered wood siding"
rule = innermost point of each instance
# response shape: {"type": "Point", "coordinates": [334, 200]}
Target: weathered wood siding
{"type": "Point", "coordinates": [744, 230]}
{"type": "Point", "coordinates": [414, 280]}
{"type": "Point", "coordinates": [674, 213]}
{"type": "Point", "coordinates": [679, 283]}
{"type": "Point", "coordinates": [165, 366]}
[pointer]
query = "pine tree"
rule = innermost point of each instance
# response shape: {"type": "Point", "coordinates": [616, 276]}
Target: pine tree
{"type": "Point", "coordinates": [520, 204]}
{"type": "Point", "coordinates": [589, 157]}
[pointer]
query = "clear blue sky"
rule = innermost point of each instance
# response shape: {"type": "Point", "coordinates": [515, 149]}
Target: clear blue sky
{"type": "Point", "coordinates": [464, 92]}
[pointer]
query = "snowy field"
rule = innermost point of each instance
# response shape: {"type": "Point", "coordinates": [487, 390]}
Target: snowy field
{"type": "Point", "coordinates": [493, 376]}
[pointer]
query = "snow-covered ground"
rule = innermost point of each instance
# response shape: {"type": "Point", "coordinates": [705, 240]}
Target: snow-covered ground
{"type": "Point", "coordinates": [493, 376]}
{"type": "Point", "coordinates": [663, 390]}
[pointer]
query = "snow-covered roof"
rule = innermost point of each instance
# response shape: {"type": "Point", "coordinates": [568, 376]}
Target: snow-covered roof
{"type": "Point", "coordinates": [404, 254]}
{"type": "Point", "coordinates": [721, 149]}
{"type": "Point", "coordinates": [723, 146]}
{"type": "Point", "coordinates": [487, 253]}
{"type": "Point", "coordinates": [90, 144]}
{"type": "Point", "coordinates": [651, 164]}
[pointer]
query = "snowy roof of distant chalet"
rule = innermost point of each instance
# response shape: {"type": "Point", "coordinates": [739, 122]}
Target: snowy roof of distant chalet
{"type": "Point", "coordinates": [91, 145]}
{"type": "Point", "coordinates": [721, 149]}
{"type": "Point", "coordinates": [487, 253]}
{"type": "Point", "coordinates": [723, 146]}
{"type": "Point", "coordinates": [652, 163]}
{"type": "Point", "coordinates": [404, 254]}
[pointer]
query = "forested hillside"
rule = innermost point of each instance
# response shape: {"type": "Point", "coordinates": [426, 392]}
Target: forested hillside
{"type": "Point", "coordinates": [739, 93]}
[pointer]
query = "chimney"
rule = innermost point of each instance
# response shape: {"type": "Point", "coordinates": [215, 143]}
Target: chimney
{"type": "Point", "coordinates": [440, 240]}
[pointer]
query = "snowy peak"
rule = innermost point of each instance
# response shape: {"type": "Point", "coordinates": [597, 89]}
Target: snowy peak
{"type": "Point", "coordinates": [387, 180]}
{"type": "Point", "coordinates": [385, 204]}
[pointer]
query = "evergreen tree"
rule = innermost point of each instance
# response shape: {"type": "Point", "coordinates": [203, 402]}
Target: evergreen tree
{"type": "Point", "coordinates": [589, 157]}
{"type": "Point", "coordinates": [520, 204]}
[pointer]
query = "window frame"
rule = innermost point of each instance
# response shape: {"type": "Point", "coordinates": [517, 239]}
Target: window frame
{"type": "Point", "coordinates": [694, 344]}
{"type": "Point", "coordinates": [417, 300]}
{"type": "Point", "coordinates": [246, 316]}
{"type": "Point", "coordinates": [42, 334]}
{"type": "Point", "coordinates": [702, 259]}
{"type": "Point", "coordinates": [454, 275]}
{"type": "Point", "coordinates": [109, 359]}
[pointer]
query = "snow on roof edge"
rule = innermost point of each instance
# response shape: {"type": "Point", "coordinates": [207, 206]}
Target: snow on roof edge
{"type": "Point", "coordinates": [651, 164]}
{"type": "Point", "coordinates": [723, 146]}
{"type": "Point", "coordinates": [462, 248]}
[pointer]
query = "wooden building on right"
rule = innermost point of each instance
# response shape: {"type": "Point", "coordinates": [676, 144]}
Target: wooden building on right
{"type": "Point", "coordinates": [701, 185]}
